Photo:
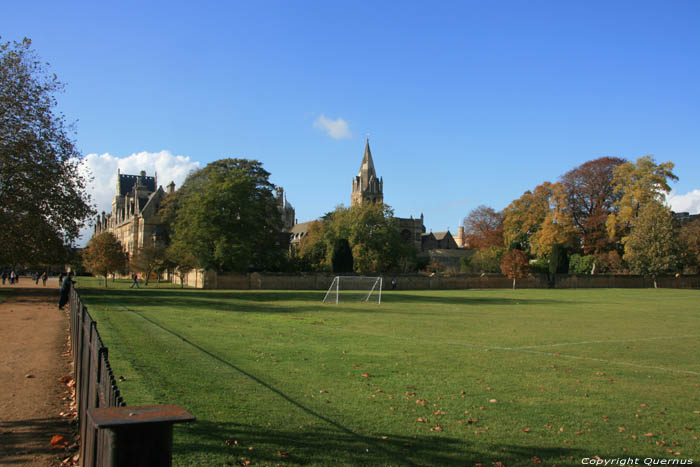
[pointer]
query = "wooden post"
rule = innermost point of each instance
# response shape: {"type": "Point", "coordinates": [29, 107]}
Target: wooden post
{"type": "Point", "coordinates": [138, 436]}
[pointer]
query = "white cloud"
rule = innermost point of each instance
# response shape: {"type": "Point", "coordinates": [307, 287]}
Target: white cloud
{"type": "Point", "coordinates": [336, 129]}
{"type": "Point", "coordinates": [689, 202]}
{"type": "Point", "coordinates": [101, 170]}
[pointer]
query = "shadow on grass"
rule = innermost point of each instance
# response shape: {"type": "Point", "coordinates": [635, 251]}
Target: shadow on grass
{"type": "Point", "coordinates": [286, 301]}
{"type": "Point", "coordinates": [324, 446]}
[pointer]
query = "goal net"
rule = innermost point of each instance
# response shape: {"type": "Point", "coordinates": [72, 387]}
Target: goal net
{"type": "Point", "coordinates": [354, 288]}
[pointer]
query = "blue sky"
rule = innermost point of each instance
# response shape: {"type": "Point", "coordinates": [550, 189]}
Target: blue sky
{"type": "Point", "coordinates": [465, 103]}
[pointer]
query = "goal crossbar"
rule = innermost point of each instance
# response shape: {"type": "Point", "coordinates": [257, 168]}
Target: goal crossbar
{"type": "Point", "coordinates": [343, 283]}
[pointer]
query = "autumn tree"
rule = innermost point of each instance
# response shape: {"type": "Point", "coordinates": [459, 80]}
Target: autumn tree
{"type": "Point", "coordinates": [590, 198]}
{"type": "Point", "coordinates": [515, 265]}
{"type": "Point", "coordinates": [44, 198]}
{"type": "Point", "coordinates": [651, 248]}
{"type": "Point", "coordinates": [227, 217]}
{"type": "Point", "coordinates": [312, 250]}
{"type": "Point", "coordinates": [483, 228]}
{"type": "Point", "coordinates": [147, 259]}
{"type": "Point", "coordinates": [537, 220]}
{"type": "Point", "coordinates": [104, 255]}
{"type": "Point", "coordinates": [637, 184]}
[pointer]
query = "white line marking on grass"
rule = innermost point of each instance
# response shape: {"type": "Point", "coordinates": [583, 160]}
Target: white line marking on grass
{"type": "Point", "coordinates": [618, 341]}
{"type": "Point", "coordinates": [602, 360]}
{"type": "Point", "coordinates": [526, 350]}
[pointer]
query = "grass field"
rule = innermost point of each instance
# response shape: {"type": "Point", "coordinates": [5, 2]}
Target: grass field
{"type": "Point", "coordinates": [425, 378]}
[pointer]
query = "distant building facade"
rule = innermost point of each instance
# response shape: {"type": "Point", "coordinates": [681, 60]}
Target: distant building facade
{"type": "Point", "coordinates": [134, 219]}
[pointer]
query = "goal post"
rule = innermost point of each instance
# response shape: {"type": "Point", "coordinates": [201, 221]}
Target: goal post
{"type": "Point", "coordinates": [354, 288]}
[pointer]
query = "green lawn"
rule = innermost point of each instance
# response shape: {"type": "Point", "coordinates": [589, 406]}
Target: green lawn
{"type": "Point", "coordinates": [425, 378]}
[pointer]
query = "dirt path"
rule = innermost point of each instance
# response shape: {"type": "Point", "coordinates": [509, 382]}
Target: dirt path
{"type": "Point", "coordinates": [32, 360]}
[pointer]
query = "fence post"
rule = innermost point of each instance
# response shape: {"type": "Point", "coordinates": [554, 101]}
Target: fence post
{"type": "Point", "coordinates": [140, 436]}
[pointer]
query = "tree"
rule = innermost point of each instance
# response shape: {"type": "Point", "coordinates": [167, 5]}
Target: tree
{"type": "Point", "coordinates": [104, 255]}
{"type": "Point", "coordinates": [147, 259]}
{"type": "Point", "coordinates": [536, 221]}
{"type": "Point", "coordinates": [484, 260]}
{"type": "Point", "coordinates": [591, 198]}
{"type": "Point", "coordinates": [341, 259]}
{"type": "Point", "coordinates": [689, 240]}
{"type": "Point", "coordinates": [637, 184]}
{"type": "Point", "coordinates": [558, 260]}
{"type": "Point", "coordinates": [182, 259]}
{"type": "Point", "coordinates": [372, 233]}
{"type": "Point", "coordinates": [484, 228]}
{"type": "Point", "coordinates": [651, 248]}
{"type": "Point", "coordinates": [514, 265]}
{"type": "Point", "coordinates": [44, 198]}
{"type": "Point", "coordinates": [228, 218]}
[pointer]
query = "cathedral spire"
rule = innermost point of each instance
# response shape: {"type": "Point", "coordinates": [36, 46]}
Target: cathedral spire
{"type": "Point", "coordinates": [366, 187]}
{"type": "Point", "coordinates": [367, 168]}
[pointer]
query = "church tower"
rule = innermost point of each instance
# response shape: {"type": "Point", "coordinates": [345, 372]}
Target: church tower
{"type": "Point", "coordinates": [366, 187]}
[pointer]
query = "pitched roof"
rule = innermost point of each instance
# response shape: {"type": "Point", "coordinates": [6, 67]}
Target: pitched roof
{"type": "Point", "coordinates": [441, 235]}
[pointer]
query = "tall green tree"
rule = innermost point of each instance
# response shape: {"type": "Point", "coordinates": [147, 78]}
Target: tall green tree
{"type": "Point", "coordinates": [651, 248]}
{"type": "Point", "coordinates": [44, 198]}
{"type": "Point", "coordinates": [104, 255]}
{"type": "Point", "coordinates": [228, 218]}
{"type": "Point", "coordinates": [372, 233]}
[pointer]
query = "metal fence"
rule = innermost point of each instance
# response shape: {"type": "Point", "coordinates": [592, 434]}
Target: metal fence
{"type": "Point", "coordinates": [112, 434]}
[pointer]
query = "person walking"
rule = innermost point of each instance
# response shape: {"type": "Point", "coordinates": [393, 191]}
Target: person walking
{"type": "Point", "coordinates": [4, 277]}
{"type": "Point", "coordinates": [135, 277]}
{"type": "Point", "coordinates": [44, 276]}
{"type": "Point", "coordinates": [65, 290]}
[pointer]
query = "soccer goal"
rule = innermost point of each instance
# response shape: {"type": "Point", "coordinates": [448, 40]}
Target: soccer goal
{"type": "Point", "coordinates": [354, 288]}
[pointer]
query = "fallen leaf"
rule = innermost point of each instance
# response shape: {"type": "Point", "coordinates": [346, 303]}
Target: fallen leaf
{"type": "Point", "coordinates": [620, 429]}
{"type": "Point", "coordinates": [282, 454]}
{"type": "Point", "coordinates": [526, 430]}
{"type": "Point", "coordinates": [366, 375]}
{"type": "Point", "coordinates": [644, 405]}
{"type": "Point", "coordinates": [420, 420]}
{"type": "Point", "coordinates": [493, 401]}
{"type": "Point", "coordinates": [420, 401]}
{"type": "Point", "coordinates": [58, 441]}
{"type": "Point", "coordinates": [385, 437]}
{"type": "Point", "coordinates": [649, 435]}
{"type": "Point", "coordinates": [536, 460]}
{"type": "Point", "coordinates": [29, 376]}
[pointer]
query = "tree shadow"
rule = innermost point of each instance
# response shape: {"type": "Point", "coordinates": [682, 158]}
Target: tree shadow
{"type": "Point", "coordinates": [324, 445]}
{"type": "Point", "coordinates": [21, 440]}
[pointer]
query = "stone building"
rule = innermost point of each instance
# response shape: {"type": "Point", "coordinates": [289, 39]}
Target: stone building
{"type": "Point", "coordinates": [366, 187]}
{"type": "Point", "coordinates": [134, 219]}
{"type": "Point", "coordinates": [286, 210]}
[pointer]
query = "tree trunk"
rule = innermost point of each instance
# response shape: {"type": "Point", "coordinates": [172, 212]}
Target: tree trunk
{"type": "Point", "coordinates": [514, 283]}
{"type": "Point", "coordinates": [655, 284]}
{"type": "Point", "coordinates": [105, 280]}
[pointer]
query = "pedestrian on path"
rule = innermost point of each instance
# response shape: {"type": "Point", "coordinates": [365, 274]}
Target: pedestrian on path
{"type": "Point", "coordinates": [44, 276]}
{"type": "Point", "coordinates": [65, 290]}
{"type": "Point", "coordinates": [135, 277]}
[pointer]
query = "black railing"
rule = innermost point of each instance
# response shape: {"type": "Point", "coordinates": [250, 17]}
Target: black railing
{"type": "Point", "coordinates": [112, 434]}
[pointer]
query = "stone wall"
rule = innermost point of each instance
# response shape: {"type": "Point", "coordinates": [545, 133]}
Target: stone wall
{"type": "Point", "coordinates": [271, 281]}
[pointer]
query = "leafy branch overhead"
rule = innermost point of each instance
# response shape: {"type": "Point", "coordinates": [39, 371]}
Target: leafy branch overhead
{"type": "Point", "coordinates": [44, 196]}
